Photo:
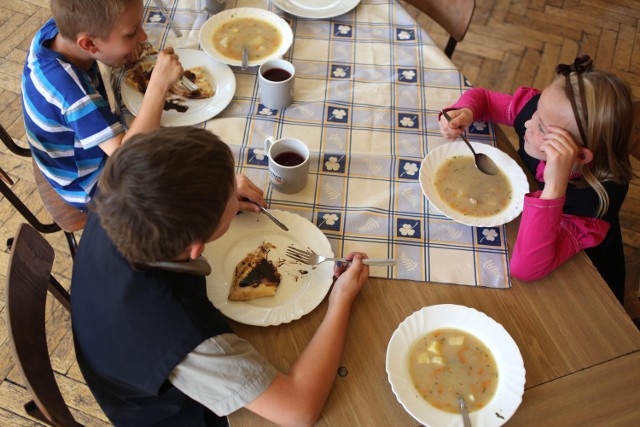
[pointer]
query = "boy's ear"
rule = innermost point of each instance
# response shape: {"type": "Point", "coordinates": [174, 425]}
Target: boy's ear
{"type": "Point", "coordinates": [86, 43]}
{"type": "Point", "coordinates": [585, 156]}
{"type": "Point", "coordinates": [196, 249]}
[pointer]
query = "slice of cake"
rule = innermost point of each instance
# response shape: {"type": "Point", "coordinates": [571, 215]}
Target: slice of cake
{"type": "Point", "coordinates": [255, 276]}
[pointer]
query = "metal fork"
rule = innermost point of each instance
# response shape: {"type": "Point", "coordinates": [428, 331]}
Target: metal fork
{"type": "Point", "coordinates": [191, 86]}
{"type": "Point", "coordinates": [310, 258]}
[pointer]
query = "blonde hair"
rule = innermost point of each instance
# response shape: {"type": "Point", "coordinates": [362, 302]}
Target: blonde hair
{"type": "Point", "coordinates": [95, 17]}
{"type": "Point", "coordinates": [607, 129]}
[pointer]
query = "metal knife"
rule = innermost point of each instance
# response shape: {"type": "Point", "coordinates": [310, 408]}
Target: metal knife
{"type": "Point", "coordinates": [273, 218]}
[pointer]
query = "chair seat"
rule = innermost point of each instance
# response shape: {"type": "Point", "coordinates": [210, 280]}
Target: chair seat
{"type": "Point", "coordinates": [68, 217]}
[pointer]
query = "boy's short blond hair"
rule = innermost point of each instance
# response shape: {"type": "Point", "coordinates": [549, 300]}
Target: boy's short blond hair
{"type": "Point", "coordinates": [95, 17]}
{"type": "Point", "coordinates": [162, 191]}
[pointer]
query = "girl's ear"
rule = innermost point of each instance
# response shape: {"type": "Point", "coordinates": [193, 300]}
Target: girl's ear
{"type": "Point", "coordinates": [86, 43]}
{"type": "Point", "coordinates": [196, 249]}
{"type": "Point", "coordinates": [585, 156]}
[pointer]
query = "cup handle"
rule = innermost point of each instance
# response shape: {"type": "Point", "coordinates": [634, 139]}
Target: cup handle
{"type": "Point", "coordinates": [267, 144]}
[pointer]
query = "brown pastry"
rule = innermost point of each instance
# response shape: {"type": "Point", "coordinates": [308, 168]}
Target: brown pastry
{"type": "Point", "coordinates": [255, 276]}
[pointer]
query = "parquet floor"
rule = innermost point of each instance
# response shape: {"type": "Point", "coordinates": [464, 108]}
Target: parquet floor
{"type": "Point", "coordinates": [510, 43]}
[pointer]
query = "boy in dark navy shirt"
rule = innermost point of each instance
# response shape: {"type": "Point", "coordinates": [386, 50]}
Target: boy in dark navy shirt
{"type": "Point", "coordinates": [152, 348]}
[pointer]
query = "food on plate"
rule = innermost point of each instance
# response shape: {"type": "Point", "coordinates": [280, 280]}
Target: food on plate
{"type": "Point", "coordinates": [261, 38]}
{"type": "Point", "coordinates": [446, 363]}
{"type": "Point", "coordinates": [462, 187]}
{"type": "Point", "coordinates": [255, 276]}
{"type": "Point", "coordinates": [138, 76]}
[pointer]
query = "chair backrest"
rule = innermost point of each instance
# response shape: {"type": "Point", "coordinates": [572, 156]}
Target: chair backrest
{"type": "Point", "coordinates": [634, 144]}
{"type": "Point", "coordinates": [28, 280]}
{"type": "Point", "coordinates": [452, 15]}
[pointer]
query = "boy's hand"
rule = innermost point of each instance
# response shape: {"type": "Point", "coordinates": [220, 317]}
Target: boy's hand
{"type": "Point", "coordinates": [166, 72]}
{"type": "Point", "coordinates": [351, 277]}
{"type": "Point", "coordinates": [460, 120]}
{"type": "Point", "coordinates": [561, 152]}
{"type": "Point", "coordinates": [249, 194]}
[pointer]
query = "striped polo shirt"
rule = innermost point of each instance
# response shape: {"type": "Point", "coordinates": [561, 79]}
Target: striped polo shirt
{"type": "Point", "coordinates": [66, 115]}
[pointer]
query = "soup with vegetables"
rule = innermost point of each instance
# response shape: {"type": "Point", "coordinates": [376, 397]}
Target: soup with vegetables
{"type": "Point", "coordinates": [467, 190]}
{"type": "Point", "coordinates": [449, 362]}
{"type": "Point", "coordinates": [260, 37]}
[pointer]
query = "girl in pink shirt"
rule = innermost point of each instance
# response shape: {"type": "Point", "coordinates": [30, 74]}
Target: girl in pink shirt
{"type": "Point", "coordinates": [574, 137]}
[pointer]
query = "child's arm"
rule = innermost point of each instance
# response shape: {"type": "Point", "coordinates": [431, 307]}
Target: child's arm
{"type": "Point", "coordinates": [547, 237]}
{"type": "Point", "coordinates": [165, 74]}
{"type": "Point", "coordinates": [479, 104]}
{"type": "Point", "coordinates": [297, 398]}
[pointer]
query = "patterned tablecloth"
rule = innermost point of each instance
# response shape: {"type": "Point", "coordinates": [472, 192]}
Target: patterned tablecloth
{"type": "Point", "coordinates": [369, 85]}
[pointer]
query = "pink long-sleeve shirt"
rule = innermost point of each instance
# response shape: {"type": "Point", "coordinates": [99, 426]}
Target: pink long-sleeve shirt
{"type": "Point", "coordinates": [547, 237]}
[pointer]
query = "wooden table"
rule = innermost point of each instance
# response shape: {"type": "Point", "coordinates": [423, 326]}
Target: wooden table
{"type": "Point", "coordinates": [580, 349]}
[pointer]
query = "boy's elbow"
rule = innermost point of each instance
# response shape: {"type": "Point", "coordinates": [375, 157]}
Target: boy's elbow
{"type": "Point", "coordinates": [303, 417]}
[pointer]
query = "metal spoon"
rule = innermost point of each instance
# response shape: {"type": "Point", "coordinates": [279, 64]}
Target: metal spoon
{"type": "Point", "coordinates": [483, 162]}
{"type": "Point", "coordinates": [245, 58]}
{"type": "Point", "coordinates": [465, 414]}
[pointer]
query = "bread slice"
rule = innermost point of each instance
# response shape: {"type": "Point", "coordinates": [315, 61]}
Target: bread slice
{"type": "Point", "coordinates": [255, 276]}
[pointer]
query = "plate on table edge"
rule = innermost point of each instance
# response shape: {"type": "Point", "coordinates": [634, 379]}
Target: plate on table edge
{"type": "Point", "coordinates": [212, 24]}
{"type": "Point", "coordinates": [511, 169]}
{"type": "Point", "coordinates": [340, 8]}
{"type": "Point", "coordinates": [295, 297]}
{"type": "Point", "coordinates": [221, 77]}
{"type": "Point", "coordinates": [511, 371]}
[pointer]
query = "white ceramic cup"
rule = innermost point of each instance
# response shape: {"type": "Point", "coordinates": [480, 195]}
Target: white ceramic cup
{"type": "Point", "coordinates": [276, 81]}
{"type": "Point", "coordinates": [212, 6]}
{"type": "Point", "coordinates": [288, 163]}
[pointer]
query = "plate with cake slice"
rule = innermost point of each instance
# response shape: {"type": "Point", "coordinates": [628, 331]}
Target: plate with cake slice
{"type": "Point", "coordinates": [252, 279]}
{"type": "Point", "coordinates": [216, 88]}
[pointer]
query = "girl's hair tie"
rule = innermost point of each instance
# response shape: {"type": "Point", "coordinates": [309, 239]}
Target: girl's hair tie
{"type": "Point", "coordinates": [581, 64]}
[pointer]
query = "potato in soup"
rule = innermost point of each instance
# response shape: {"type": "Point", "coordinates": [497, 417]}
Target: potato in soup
{"type": "Point", "coordinates": [260, 37]}
{"type": "Point", "coordinates": [449, 362]}
{"type": "Point", "coordinates": [467, 190]}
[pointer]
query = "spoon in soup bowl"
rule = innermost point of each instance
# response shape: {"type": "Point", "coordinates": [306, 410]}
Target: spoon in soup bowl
{"type": "Point", "coordinates": [465, 414]}
{"type": "Point", "coordinates": [482, 161]}
{"type": "Point", "coordinates": [245, 58]}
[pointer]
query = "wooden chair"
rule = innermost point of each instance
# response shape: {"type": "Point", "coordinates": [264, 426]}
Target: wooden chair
{"type": "Point", "coordinates": [452, 15]}
{"type": "Point", "coordinates": [634, 146]}
{"type": "Point", "coordinates": [66, 217]}
{"type": "Point", "coordinates": [634, 150]}
{"type": "Point", "coordinates": [28, 280]}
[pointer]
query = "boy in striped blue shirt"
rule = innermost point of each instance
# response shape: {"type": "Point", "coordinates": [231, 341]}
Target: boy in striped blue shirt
{"type": "Point", "coordinates": [68, 123]}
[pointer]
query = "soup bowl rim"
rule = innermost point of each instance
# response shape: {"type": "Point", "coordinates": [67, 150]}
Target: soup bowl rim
{"type": "Point", "coordinates": [510, 168]}
{"type": "Point", "coordinates": [511, 370]}
{"type": "Point", "coordinates": [209, 28]}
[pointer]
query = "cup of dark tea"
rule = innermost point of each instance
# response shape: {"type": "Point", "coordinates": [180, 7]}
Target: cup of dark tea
{"type": "Point", "coordinates": [276, 82]}
{"type": "Point", "coordinates": [288, 163]}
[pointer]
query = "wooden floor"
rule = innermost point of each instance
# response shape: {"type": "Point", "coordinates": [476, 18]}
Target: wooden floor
{"type": "Point", "coordinates": [510, 43]}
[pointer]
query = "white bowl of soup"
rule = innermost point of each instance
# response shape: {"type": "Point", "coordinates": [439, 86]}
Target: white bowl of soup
{"type": "Point", "coordinates": [457, 189]}
{"type": "Point", "coordinates": [265, 35]}
{"type": "Point", "coordinates": [443, 351]}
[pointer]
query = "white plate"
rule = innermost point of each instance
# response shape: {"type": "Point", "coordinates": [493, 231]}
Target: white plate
{"type": "Point", "coordinates": [200, 110]}
{"type": "Point", "coordinates": [316, 9]}
{"type": "Point", "coordinates": [511, 372]}
{"type": "Point", "coordinates": [517, 178]}
{"type": "Point", "coordinates": [209, 28]}
{"type": "Point", "coordinates": [297, 294]}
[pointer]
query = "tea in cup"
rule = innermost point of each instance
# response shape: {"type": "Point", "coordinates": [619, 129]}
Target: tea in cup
{"type": "Point", "coordinates": [276, 82]}
{"type": "Point", "coordinates": [288, 163]}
